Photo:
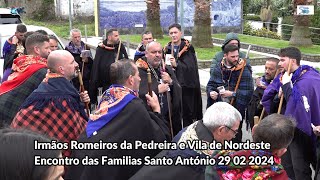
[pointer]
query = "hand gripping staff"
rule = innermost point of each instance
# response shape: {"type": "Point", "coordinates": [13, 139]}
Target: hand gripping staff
{"type": "Point", "coordinates": [281, 97]}
{"type": "Point", "coordinates": [256, 120]}
{"type": "Point", "coordinates": [82, 90]}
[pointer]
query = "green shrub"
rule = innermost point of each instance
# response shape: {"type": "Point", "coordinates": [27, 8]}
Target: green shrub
{"type": "Point", "coordinates": [45, 12]}
{"type": "Point", "coordinates": [315, 19]}
{"type": "Point", "coordinates": [247, 28]}
{"type": "Point", "coordinates": [286, 30]}
{"type": "Point", "coordinates": [252, 18]}
{"type": "Point", "coordinates": [263, 32]}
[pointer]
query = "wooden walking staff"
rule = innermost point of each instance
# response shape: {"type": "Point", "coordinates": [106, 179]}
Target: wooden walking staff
{"type": "Point", "coordinates": [149, 82]}
{"type": "Point", "coordinates": [163, 69]}
{"type": "Point", "coordinates": [256, 120]}
{"type": "Point", "coordinates": [118, 54]}
{"type": "Point", "coordinates": [82, 90]}
{"type": "Point", "coordinates": [282, 97]}
{"type": "Point", "coordinates": [240, 75]}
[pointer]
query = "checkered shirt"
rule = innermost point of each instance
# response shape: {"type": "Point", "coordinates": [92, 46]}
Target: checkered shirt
{"type": "Point", "coordinates": [63, 126]}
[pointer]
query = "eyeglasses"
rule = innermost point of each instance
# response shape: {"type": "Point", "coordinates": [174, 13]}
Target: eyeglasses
{"type": "Point", "coordinates": [234, 131]}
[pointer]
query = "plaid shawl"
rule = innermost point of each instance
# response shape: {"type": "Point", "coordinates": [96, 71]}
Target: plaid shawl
{"type": "Point", "coordinates": [12, 100]}
{"type": "Point", "coordinates": [112, 102]}
{"type": "Point", "coordinates": [273, 170]}
{"type": "Point", "coordinates": [222, 76]}
{"type": "Point", "coordinates": [53, 109]}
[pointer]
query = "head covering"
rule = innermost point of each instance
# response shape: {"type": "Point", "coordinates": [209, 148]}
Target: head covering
{"type": "Point", "coordinates": [229, 37]}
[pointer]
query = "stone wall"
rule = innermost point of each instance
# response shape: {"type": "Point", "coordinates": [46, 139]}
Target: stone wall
{"type": "Point", "coordinates": [275, 51]}
{"type": "Point", "coordinates": [203, 64]}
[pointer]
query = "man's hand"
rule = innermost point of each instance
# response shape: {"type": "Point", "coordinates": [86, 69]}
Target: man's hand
{"type": "Point", "coordinates": [166, 78]}
{"type": "Point", "coordinates": [153, 102]}
{"type": "Point", "coordinates": [84, 59]}
{"type": "Point", "coordinates": [226, 94]}
{"type": "Point", "coordinates": [316, 130]}
{"type": "Point", "coordinates": [173, 62]}
{"type": "Point", "coordinates": [286, 78]}
{"type": "Point", "coordinates": [84, 97]}
{"type": "Point", "coordinates": [260, 84]}
{"type": "Point", "coordinates": [14, 40]}
{"type": "Point", "coordinates": [163, 87]}
{"type": "Point", "coordinates": [280, 92]}
{"type": "Point", "coordinates": [213, 95]}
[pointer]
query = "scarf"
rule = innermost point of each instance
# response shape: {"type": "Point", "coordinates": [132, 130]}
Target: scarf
{"type": "Point", "coordinates": [23, 67]}
{"type": "Point", "coordinates": [112, 102]}
{"type": "Point", "coordinates": [72, 48]}
{"type": "Point", "coordinates": [182, 48]}
{"type": "Point", "coordinates": [55, 89]}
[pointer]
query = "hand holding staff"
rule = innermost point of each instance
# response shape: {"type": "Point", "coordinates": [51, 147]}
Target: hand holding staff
{"type": "Point", "coordinates": [281, 99]}
{"type": "Point", "coordinates": [82, 90]}
{"type": "Point", "coordinates": [263, 110]}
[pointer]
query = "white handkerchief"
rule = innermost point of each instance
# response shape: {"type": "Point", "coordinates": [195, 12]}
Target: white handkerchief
{"type": "Point", "coordinates": [305, 103]}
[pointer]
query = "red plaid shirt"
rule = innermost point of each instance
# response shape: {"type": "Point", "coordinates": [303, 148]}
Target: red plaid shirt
{"type": "Point", "coordinates": [63, 126]}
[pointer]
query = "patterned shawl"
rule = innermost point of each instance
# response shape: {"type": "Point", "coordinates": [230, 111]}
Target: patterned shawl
{"type": "Point", "coordinates": [55, 109]}
{"type": "Point", "coordinates": [74, 49]}
{"type": "Point", "coordinates": [112, 102]}
{"type": "Point", "coordinates": [23, 67]}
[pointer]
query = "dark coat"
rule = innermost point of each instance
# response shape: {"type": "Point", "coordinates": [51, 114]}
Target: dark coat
{"type": "Point", "coordinates": [86, 70]}
{"type": "Point", "coordinates": [133, 123]}
{"type": "Point", "coordinates": [175, 172]}
{"type": "Point", "coordinates": [175, 96]}
{"type": "Point", "coordinates": [188, 77]}
{"type": "Point", "coordinates": [100, 74]}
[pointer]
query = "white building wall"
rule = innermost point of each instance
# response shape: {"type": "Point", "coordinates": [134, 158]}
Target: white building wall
{"type": "Point", "coordinates": [78, 8]}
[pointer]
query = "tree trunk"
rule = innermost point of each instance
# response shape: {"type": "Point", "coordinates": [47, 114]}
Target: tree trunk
{"type": "Point", "coordinates": [300, 35]}
{"type": "Point", "coordinates": [201, 35]}
{"type": "Point", "coordinates": [153, 18]}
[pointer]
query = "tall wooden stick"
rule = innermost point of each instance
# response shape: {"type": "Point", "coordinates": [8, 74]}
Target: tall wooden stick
{"type": "Point", "coordinates": [282, 97]}
{"type": "Point", "coordinates": [263, 110]}
{"type": "Point", "coordinates": [149, 81]}
{"type": "Point", "coordinates": [240, 75]}
{"type": "Point", "coordinates": [82, 90]}
{"type": "Point", "coordinates": [118, 54]}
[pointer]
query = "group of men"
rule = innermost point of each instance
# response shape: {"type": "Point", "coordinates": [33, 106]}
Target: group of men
{"type": "Point", "coordinates": [282, 89]}
{"type": "Point", "coordinates": [42, 94]}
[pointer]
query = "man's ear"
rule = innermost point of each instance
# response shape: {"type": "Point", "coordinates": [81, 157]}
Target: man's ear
{"type": "Point", "coordinates": [224, 55]}
{"type": "Point", "coordinates": [253, 129]}
{"type": "Point", "coordinates": [280, 152]}
{"type": "Point", "coordinates": [220, 130]}
{"type": "Point", "coordinates": [36, 49]}
{"type": "Point", "coordinates": [131, 80]}
{"type": "Point", "coordinates": [61, 70]}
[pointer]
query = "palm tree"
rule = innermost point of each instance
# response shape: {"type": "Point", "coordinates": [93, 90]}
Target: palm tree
{"type": "Point", "coordinates": [300, 35]}
{"type": "Point", "coordinates": [153, 18]}
{"type": "Point", "coordinates": [201, 35]}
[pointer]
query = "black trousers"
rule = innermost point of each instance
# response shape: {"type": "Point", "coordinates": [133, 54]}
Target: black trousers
{"type": "Point", "coordinates": [191, 105]}
{"type": "Point", "coordinates": [300, 154]}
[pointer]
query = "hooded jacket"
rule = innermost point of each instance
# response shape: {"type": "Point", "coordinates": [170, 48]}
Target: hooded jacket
{"type": "Point", "coordinates": [218, 56]}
